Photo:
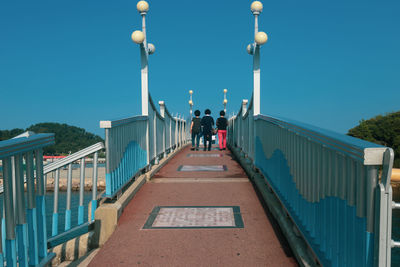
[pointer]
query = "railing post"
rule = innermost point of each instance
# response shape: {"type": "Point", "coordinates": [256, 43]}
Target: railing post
{"type": "Point", "coordinates": [32, 217]}
{"type": "Point", "coordinates": [22, 233]}
{"type": "Point", "coordinates": [68, 204]}
{"type": "Point", "coordinates": [11, 252]}
{"type": "Point", "coordinates": [155, 137]}
{"type": "Point", "coordinates": [41, 204]}
{"type": "Point", "coordinates": [81, 208]}
{"type": "Point", "coordinates": [176, 131]}
{"type": "Point", "coordinates": [94, 185]}
{"type": "Point", "coordinates": [383, 215]}
{"type": "Point", "coordinates": [162, 112]}
{"type": "Point", "coordinates": [54, 231]}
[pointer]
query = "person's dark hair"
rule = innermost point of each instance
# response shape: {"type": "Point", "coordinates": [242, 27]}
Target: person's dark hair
{"type": "Point", "coordinates": [207, 111]}
{"type": "Point", "coordinates": [222, 113]}
{"type": "Point", "coordinates": [197, 113]}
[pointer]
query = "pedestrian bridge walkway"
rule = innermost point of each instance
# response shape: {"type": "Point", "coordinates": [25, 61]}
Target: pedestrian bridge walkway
{"type": "Point", "coordinates": [196, 218]}
{"type": "Point", "coordinates": [329, 193]}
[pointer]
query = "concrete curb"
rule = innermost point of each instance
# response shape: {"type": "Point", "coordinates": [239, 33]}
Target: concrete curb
{"type": "Point", "coordinates": [298, 245]}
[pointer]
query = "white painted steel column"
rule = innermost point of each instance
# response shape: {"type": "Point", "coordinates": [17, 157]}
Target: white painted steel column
{"type": "Point", "coordinates": [144, 57]}
{"type": "Point", "coordinates": [145, 82]}
{"type": "Point", "coordinates": [162, 113]}
{"type": "Point", "coordinates": [260, 38]}
{"type": "Point", "coordinates": [256, 80]}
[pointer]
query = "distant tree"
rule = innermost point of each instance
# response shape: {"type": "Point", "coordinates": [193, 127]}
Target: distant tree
{"type": "Point", "coordinates": [7, 134]}
{"type": "Point", "coordinates": [383, 130]}
{"type": "Point", "coordinates": [67, 138]}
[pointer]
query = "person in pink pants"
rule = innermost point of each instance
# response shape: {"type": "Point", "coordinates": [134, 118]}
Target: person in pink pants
{"type": "Point", "coordinates": [222, 123]}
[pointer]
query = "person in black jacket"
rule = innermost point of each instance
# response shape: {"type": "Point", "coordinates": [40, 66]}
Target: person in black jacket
{"type": "Point", "coordinates": [207, 122]}
{"type": "Point", "coordinates": [195, 130]}
{"type": "Point", "coordinates": [222, 123]}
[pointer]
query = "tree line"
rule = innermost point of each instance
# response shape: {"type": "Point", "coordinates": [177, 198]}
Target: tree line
{"type": "Point", "coordinates": [383, 130]}
{"type": "Point", "coordinates": [68, 139]}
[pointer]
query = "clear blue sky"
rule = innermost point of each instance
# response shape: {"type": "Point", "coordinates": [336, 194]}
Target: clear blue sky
{"type": "Point", "coordinates": [327, 63]}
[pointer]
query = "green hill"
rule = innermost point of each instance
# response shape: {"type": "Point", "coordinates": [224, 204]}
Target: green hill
{"type": "Point", "coordinates": [68, 138]}
{"type": "Point", "coordinates": [384, 130]}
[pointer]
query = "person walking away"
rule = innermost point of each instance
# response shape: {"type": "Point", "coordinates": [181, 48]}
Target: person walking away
{"type": "Point", "coordinates": [207, 122]}
{"type": "Point", "coordinates": [222, 123]}
{"type": "Point", "coordinates": [195, 130]}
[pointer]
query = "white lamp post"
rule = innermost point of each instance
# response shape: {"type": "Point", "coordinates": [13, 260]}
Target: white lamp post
{"type": "Point", "coordinates": [191, 103]}
{"type": "Point", "coordinates": [260, 38]}
{"type": "Point", "coordinates": [225, 100]}
{"type": "Point", "coordinates": [139, 37]}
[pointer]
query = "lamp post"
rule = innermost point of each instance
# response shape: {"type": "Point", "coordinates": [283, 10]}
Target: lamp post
{"type": "Point", "coordinates": [191, 103]}
{"type": "Point", "coordinates": [260, 38]}
{"type": "Point", "coordinates": [146, 49]}
{"type": "Point", "coordinates": [225, 100]}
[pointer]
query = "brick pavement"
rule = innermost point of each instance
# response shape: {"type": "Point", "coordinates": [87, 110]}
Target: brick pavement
{"type": "Point", "coordinates": [256, 244]}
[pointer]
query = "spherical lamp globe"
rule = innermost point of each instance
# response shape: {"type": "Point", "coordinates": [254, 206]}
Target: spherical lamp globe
{"type": "Point", "coordinates": [225, 91]}
{"type": "Point", "coordinates": [261, 38]}
{"type": "Point", "coordinates": [225, 101]}
{"type": "Point", "coordinates": [256, 7]}
{"type": "Point", "coordinates": [151, 48]}
{"type": "Point", "coordinates": [249, 49]}
{"type": "Point", "coordinates": [137, 37]}
{"type": "Point", "coordinates": [190, 102]}
{"type": "Point", "coordinates": [190, 92]}
{"type": "Point", "coordinates": [142, 6]}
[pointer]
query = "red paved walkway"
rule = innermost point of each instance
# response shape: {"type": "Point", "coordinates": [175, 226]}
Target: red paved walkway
{"type": "Point", "coordinates": [254, 245]}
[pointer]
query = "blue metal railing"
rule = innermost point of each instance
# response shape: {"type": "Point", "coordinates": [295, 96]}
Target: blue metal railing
{"type": "Point", "coordinates": [327, 182]}
{"type": "Point", "coordinates": [25, 219]}
{"type": "Point", "coordinates": [71, 231]}
{"type": "Point", "coordinates": [135, 143]}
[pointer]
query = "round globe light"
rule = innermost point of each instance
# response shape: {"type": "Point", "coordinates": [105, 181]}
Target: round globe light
{"type": "Point", "coordinates": [261, 38]}
{"type": "Point", "coordinates": [249, 49]}
{"type": "Point", "coordinates": [225, 91]}
{"type": "Point", "coordinates": [256, 7]}
{"type": "Point", "coordinates": [190, 92]}
{"type": "Point", "coordinates": [151, 48]}
{"type": "Point", "coordinates": [225, 101]}
{"type": "Point", "coordinates": [137, 37]}
{"type": "Point", "coordinates": [190, 102]}
{"type": "Point", "coordinates": [142, 6]}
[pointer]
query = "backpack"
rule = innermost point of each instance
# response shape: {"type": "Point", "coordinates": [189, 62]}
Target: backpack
{"type": "Point", "coordinates": [196, 125]}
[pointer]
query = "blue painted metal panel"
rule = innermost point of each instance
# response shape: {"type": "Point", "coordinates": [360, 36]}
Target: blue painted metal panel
{"type": "Point", "coordinates": [81, 210]}
{"type": "Point", "coordinates": [54, 229]}
{"type": "Point", "coordinates": [11, 254]}
{"type": "Point", "coordinates": [330, 225]}
{"type": "Point", "coordinates": [134, 159]}
{"type": "Point", "coordinates": [3, 235]}
{"type": "Point", "coordinates": [22, 238]}
{"type": "Point", "coordinates": [41, 223]}
{"type": "Point", "coordinates": [93, 210]}
{"type": "Point", "coordinates": [32, 234]}
{"type": "Point", "coordinates": [67, 220]}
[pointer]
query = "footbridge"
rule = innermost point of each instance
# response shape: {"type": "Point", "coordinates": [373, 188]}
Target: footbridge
{"type": "Point", "coordinates": [284, 193]}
